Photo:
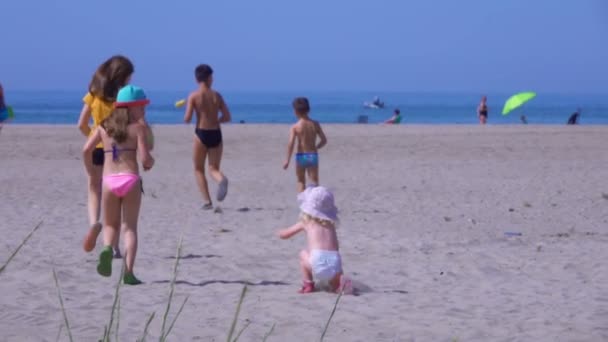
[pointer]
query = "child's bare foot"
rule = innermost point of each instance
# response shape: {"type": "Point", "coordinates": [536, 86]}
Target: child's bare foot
{"type": "Point", "coordinates": [307, 287]}
{"type": "Point", "coordinates": [345, 286]}
{"type": "Point", "coordinates": [91, 238]}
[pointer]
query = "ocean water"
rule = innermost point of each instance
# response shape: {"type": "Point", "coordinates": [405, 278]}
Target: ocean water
{"type": "Point", "coordinates": [63, 107]}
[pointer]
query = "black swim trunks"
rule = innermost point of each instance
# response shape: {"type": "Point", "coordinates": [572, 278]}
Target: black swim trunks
{"type": "Point", "coordinates": [209, 137]}
{"type": "Point", "coordinates": [484, 111]}
{"type": "Point", "coordinates": [98, 156]}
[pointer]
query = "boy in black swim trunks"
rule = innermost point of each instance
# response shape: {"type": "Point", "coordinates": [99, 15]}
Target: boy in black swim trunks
{"type": "Point", "coordinates": [207, 103]}
{"type": "Point", "coordinates": [305, 133]}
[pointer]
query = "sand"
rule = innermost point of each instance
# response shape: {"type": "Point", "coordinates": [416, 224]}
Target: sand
{"type": "Point", "coordinates": [424, 212]}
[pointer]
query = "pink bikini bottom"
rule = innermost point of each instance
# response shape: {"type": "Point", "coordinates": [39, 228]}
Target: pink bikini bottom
{"type": "Point", "coordinates": [121, 183]}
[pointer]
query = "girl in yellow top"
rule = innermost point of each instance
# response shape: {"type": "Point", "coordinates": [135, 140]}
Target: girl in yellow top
{"type": "Point", "coordinates": [110, 76]}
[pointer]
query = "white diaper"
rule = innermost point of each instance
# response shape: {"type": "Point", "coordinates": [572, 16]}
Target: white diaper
{"type": "Point", "coordinates": [325, 264]}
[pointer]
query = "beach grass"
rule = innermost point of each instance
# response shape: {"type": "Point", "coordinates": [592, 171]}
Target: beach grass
{"type": "Point", "coordinates": [146, 327]}
{"type": "Point", "coordinates": [269, 332]}
{"type": "Point", "coordinates": [27, 237]}
{"type": "Point", "coordinates": [65, 316]}
{"type": "Point", "coordinates": [114, 319]}
{"type": "Point", "coordinates": [236, 317]}
{"type": "Point", "coordinates": [331, 315]}
{"type": "Point", "coordinates": [115, 308]}
{"type": "Point", "coordinates": [164, 333]}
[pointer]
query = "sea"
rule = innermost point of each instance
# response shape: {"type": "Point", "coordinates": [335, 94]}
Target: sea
{"type": "Point", "coordinates": [63, 107]}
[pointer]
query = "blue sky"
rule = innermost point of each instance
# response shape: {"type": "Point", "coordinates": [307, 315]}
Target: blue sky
{"type": "Point", "coordinates": [399, 45]}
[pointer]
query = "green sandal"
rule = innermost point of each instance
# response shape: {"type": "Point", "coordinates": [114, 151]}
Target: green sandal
{"type": "Point", "coordinates": [129, 279]}
{"type": "Point", "coordinates": [104, 267]}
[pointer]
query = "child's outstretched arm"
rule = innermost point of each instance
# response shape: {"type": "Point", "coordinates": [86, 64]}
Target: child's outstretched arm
{"type": "Point", "coordinates": [322, 137]}
{"type": "Point", "coordinates": [189, 109]}
{"type": "Point", "coordinates": [144, 153]}
{"type": "Point", "coordinates": [83, 120]}
{"type": "Point", "coordinates": [290, 145]}
{"type": "Point", "coordinates": [87, 150]}
{"type": "Point", "coordinates": [291, 231]}
{"type": "Point", "coordinates": [226, 117]}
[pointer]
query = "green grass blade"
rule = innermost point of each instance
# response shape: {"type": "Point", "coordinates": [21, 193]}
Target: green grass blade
{"type": "Point", "coordinates": [178, 255]}
{"type": "Point", "coordinates": [269, 332]}
{"type": "Point", "coordinates": [145, 334]}
{"type": "Point", "coordinates": [59, 333]}
{"type": "Point", "coordinates": [236, 314]}
{"type": "Point", "coordinates": [10, 258]}
{"type": "Point", "coordinates": [117, 320]}
{"type": "Point", "coordinates": [333, 311]}
{"type": "Point", "coordinates": [176, 316]}
{"type": "Point", "coordinates": [241, 331]}
{"type": "Point", "coordinates": [116, 297]}
{"type": "Point", "coordinates": [65, 316]}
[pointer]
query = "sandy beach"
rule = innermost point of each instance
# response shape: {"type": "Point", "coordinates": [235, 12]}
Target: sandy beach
{"type": "Point", "coordinates": [424, 211]}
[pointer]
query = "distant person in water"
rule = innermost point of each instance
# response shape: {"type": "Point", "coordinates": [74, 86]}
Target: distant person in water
{"type": "Point", "coordinates": [482, 110]}
{"type": "Point", "coordinates": [573, 119]}
{"type": "Point", "coordinates": [395, 119]}
{"type": "Point", "coordinates": [523, 119]}
{"type": "Point", "coordinates": [377, 102]}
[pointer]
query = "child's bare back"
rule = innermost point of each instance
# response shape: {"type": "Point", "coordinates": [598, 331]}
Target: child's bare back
{"type": "Point", "coordinates": [320, 237]}
{"type": "Point", "coordinates": [306, 132]}
{"type": "Point", "coordinates": [207, 103]}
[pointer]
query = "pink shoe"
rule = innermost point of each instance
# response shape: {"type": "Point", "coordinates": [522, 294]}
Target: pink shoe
{"type": "Point", "coordinates": [307, 287]}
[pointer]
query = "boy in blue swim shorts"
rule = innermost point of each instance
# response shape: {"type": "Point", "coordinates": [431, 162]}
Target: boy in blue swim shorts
{"type": "Point", "coordinates": [305, 133]}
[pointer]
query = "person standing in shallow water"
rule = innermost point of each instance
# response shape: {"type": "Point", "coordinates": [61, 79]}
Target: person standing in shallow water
{"type": "Point", "coordinates": [482, 111]}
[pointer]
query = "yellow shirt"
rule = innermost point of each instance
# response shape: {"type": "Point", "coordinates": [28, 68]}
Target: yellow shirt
{"type": "Point", "coordinates": [100, 110]}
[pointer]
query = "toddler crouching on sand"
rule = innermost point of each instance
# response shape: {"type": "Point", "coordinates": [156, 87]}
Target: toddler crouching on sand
{"type": "Point", "coordinates": [321, 261]}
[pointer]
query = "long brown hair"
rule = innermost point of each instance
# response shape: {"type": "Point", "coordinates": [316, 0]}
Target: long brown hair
{"type": "Point", "coordinates": [116, 124]}
{"type": "Point", "coordinates": [110, 76]}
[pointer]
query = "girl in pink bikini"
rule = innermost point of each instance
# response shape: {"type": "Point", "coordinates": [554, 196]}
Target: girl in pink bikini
{"type": "Point", "coordinates": [123, 137]}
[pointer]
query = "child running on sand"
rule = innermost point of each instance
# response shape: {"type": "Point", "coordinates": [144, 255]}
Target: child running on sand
{"type": "Point", "coordinates": [321, 260]}
{"type": "Point", "coordinates": [305, 131]}
{"type": "Point", "coordinates": [207, 103]}
{"type": "Point", "coordinates": [122, 138]}
{"type": "Point", "coordinates": [110, 76]}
